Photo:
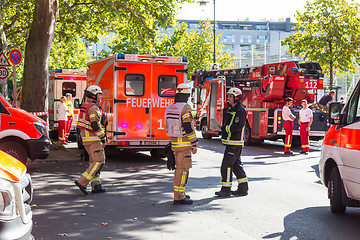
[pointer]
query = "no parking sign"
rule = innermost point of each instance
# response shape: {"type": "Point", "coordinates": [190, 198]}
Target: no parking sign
{"type": "Point", "coordinates": [15, 56]}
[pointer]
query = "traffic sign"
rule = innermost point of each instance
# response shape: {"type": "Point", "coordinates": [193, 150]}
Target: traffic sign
{"type": "Point", "coordinates": [15, 56]}
{"type": "Point", "coordinates": [3, 60]}
{"type": "Point", "coordinates": [3, 73]}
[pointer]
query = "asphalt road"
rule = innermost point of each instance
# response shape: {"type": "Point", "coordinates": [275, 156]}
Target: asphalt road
{"type": "Point", "coordinates": [286, 198]}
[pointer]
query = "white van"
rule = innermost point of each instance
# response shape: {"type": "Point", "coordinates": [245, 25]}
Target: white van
{"type": "Point", "coordinates": [340, 157]}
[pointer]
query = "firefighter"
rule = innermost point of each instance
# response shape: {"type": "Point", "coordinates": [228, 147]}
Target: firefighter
{"type": "Point", "coordinates": [233, 128]}
{"type": "Point", "coordinates": [179, 126]}
{"type": "Point", "coordinates": [70, 115]}
{"type": "Point", "coordinates": [94, 140]}
{"type": "Point", "coordinates": [288, 118]}
{"type": "Point", "coordinates": [305, 121]}
{"type": "Point", "coordinates": [326, 99]}
{"type": "Point", "coordinates": [63, 110]}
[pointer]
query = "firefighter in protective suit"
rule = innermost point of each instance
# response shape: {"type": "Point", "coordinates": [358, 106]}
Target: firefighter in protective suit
{"type": "Point", "coordinates": [93, 138]}
{"type": "Point", "coordinates": [233, 128]}
{"type": "Point", "coordinates": [179, 126]}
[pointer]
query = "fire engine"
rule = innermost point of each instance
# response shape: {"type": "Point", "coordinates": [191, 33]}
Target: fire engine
{"type": "Point", "coordinates": [136, 91]}
{"type": "Point", "coordinates": [22, 135]}
{"type": "Point", "coordinates": [265, 88]}
{"type": "Point", "coordinates": [61, 82]}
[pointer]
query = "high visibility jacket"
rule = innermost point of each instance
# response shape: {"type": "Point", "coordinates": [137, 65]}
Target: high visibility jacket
{"type": "Point", "coordinates": [173, 122]}
{"type": "Point", "coordinates": [70, 107]}
{"type": "Point", "coordinates": [189, 139]}
{"type": "Point", "coordinates": [234, 123]}
{"type": "Point", "coordinates": [89, 122]}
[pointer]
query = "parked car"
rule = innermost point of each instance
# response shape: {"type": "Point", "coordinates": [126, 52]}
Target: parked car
{"type": "Point", "coordinates": [15, 197]}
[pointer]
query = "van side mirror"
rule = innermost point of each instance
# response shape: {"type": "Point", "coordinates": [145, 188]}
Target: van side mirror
{"type": "Point", "coordinates": [334, 113]}
{"type": "Point", "coordinates": [77, 103]}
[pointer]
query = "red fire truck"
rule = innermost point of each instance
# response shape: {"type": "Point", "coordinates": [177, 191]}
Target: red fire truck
{"type": "Point", "coordinates": [136, 91]}
{"type": "Point", "coordinates": [265, 88]}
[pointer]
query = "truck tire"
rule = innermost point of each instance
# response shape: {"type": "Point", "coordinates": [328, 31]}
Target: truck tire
{"type": "Point", "coordinates": [157, 153]}
{"type": "Point", "coordinates": [247, 135]}
{"type": "Point", "coordinates": [79, 140]}
{"type": "Point", "coordinates": [16, 150]}
{"type": "Point", "coordinates": [204, 131]}
{"type": "Point", "coordinates": [335, 187]}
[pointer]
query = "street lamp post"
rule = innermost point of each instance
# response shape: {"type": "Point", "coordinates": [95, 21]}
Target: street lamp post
{"type": "Point", "coordinates": [203, 3]}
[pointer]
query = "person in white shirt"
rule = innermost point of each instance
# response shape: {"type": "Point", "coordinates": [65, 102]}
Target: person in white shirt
{"type": "Point", "coordinates": [288, 118]}
{"type": "Point", "coordinates": [305, 121]}
{"type": "Point", "coordinates": [62, 118]}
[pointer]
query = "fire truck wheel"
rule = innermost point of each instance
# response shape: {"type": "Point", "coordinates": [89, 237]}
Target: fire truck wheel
{"type": "Point", "coordinates": [247, 135]}
{"type": "Point", "coordinates": [157, 153]}
{"type": "Point", "coordinates": [16, 150]}
{"type": "Point", "coordinates": [335, 187]}
{"type": "Point", "coordinates": [204, 131]}
{"type": "Point", "coordinates": [79, 140]}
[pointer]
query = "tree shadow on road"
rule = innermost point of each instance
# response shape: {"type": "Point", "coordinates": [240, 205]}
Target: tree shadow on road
{"type": "Point", "coordinates": [316, 223]}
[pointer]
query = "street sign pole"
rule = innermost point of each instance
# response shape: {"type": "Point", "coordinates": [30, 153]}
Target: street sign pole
{"type": "Point", "coordinates": [14, 85]}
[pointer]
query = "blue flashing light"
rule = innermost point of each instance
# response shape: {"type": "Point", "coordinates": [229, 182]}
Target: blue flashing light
{"type": "Point", "coordinates": [295, 70]}
{"type": "Point", "coordinates": [58, 70]}
{"type": "Point", "coordinates": [124, 125]}
{"type": "Point", "coordinates": [208, 79]}
{"type": "Point", "coordinates": [184, 59]}
{"type": "Point", "coordinates": [121, 56]}
{"type": "Point", "coordinates": [139, 126]}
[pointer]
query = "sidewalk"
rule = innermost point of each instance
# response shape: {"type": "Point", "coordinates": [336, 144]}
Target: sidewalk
{"type": "Point", "coordinates": [69, 153]}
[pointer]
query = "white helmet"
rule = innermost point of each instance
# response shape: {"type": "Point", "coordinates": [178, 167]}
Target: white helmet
{"type": "Point", "coordinates": [183, 88]}
{"type": "Point", "coordinates": [234, 91]}
{"type": "Point", "coordinates": [93, 89]}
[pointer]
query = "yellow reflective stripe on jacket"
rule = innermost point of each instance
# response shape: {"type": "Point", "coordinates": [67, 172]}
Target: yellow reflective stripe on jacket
{"type": "Point", "coordinates": [184, 144]}
{"type": "Point", "coordinates": [186, 115]}
{"type": "Point", "coordinates": [232, 142]}
{"type": "Point", "coordinates": [192, 136]}
{"type": "Point", "coordinates": [231, 122]}
{"type": "Point", "coordinates": [92, 115]}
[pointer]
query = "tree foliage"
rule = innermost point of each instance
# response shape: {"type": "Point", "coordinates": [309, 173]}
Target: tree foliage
{"type": "Point", "coordinates": [196, 45]}
{"type": "Point", "coordinates": [328, 32]}
{"type": "Point", "coordinates": [77, 19]}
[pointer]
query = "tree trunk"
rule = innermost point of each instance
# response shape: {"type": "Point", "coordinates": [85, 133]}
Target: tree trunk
{"type": "Point", "coordinates": [37, 51]}
{"type": "Point", "coordinates": [3, 43]}
{"type": "Point", "coordinates": [331, 75]}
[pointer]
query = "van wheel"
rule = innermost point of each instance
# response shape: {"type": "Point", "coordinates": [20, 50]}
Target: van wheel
{"type": "Point", "coordinates": [16, 150]}
{"type": "Point", "coordinates": [79, 140]}
{"type": "Point", "coordinates": [335, 187]}
{"type": "Point", "coordinates": [204, 131]}
{"type": "Point", "coordinates": [157, 153]}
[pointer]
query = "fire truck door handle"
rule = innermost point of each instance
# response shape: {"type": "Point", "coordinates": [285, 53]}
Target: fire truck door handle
{"type": "Point", "coordinates": [147, 110]}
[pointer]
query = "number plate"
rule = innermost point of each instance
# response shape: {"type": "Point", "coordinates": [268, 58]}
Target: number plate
{"type": "Point", "coordinates": [150, 143]}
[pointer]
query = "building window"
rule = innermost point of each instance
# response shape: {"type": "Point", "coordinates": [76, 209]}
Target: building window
{"type": "Point", "coordinates": [229, 38]}
{"type": "Point", "coordinates": [261, 39]}
{"type": "Point", "coordinates": [193, 25]}
{"type": "Point", "coordinates": [245, 27]}
{"type": "Point", "coordinates": [245, 38]}
{"type": "Point", "coordinates": [229, 47]}
{"type": "Point", "coordinates": [229, 26]}
{"type": "Point", "coordinates": [260, 27]}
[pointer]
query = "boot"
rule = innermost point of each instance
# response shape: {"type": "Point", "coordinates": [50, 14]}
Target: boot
{"type": "Point", "coordinates": [184, 201]}
{"type": "Point", "coordinates": [98, 189]}
{"type": "Point", "coordinates": [224, 192]}
{"type": "Point", "coordinates": [82, 189]}
{"type": "Point", "coordinates": [239, 193]}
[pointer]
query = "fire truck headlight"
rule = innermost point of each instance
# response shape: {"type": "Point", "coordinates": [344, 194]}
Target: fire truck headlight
{"type": "Point", "coordinates": [40, 127]}
{"type": "Point", "coordinates": [301, 80]}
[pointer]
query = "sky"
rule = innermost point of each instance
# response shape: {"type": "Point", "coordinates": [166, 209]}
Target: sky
{"type": "Point", "coordinates": [233, 10]}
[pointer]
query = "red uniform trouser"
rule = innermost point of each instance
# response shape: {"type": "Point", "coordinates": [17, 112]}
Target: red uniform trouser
{"type": "Point", "coordinates": [288, 125]}
{"type": "Point", "coordinates": [304, 135]}
{"type": "Point", "coordinates": [68, 126]}
{"type": "Point", "coordinates": [62, 130]}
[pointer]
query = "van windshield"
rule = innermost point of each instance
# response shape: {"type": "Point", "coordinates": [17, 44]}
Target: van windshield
{"type": "Point", "coordinates": [4, 101]}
